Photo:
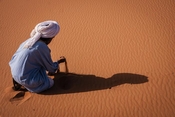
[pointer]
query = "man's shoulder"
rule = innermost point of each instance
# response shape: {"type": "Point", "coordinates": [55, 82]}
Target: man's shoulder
{"type": "Point", "coordinates": [39, 45]}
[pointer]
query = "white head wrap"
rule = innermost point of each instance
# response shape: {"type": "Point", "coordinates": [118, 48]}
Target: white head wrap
{"type": "Point", "coordinates": [46, 29]}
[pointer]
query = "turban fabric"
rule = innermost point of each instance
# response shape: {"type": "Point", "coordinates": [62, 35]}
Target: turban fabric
{"type": "Point", "coordinates": [46, 29]}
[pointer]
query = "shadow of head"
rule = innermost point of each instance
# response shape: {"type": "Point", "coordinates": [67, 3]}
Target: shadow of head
{"type": "Point", "coordinates": [130, 78]}
{"type": "Point", "coordinates": [74, 83]}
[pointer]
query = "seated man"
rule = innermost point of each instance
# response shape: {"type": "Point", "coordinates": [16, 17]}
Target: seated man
{"type": "Point", "coordinates": [32, 59]}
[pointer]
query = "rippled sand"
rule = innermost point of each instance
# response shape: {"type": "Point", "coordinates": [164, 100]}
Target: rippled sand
{"type": "Point", "coordinates": [120, 56]}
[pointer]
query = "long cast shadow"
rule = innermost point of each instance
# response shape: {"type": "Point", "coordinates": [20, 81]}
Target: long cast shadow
{"type": "Point", "coordinates": [73, 83]}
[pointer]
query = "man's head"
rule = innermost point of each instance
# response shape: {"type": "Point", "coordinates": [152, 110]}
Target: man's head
{"type": "Point", "coordinates": [46, 40]}
{"type": "Point", "coordinates": [45, 31]}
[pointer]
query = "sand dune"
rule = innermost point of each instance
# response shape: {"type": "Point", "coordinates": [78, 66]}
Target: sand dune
{"type": "Point", "coordinates": [120, 55]}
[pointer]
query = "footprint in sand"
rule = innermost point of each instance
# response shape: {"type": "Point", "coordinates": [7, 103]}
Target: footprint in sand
{"type": "Point", "coordinates": [20, 97]}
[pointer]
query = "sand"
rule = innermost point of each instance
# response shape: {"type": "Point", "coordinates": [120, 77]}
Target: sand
{"type": "Point", "coordinates": [120, 55]}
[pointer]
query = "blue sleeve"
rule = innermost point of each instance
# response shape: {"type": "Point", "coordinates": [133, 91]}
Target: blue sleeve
{"type": "Point", "coordinates": [46, 60]}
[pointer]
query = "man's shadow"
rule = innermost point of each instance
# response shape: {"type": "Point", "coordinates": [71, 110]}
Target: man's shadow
{"type": "Point", "coordinates": [65, 83]}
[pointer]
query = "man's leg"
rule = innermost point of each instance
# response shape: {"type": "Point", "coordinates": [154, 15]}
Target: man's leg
{"type": "Point", "coordinates": [16, 86]}
{"type": "Point", "coordinates": [51, 82]}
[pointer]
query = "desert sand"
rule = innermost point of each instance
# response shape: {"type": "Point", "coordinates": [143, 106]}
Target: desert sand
{"type": "Point", "coordinates": [120, 56]}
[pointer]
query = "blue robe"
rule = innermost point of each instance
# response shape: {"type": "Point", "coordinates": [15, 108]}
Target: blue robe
{"type": "Point", "coordinates": [29, 66]}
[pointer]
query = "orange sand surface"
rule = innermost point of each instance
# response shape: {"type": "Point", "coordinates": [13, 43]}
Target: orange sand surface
{"type": "Point", "coordinates": [120, 55]}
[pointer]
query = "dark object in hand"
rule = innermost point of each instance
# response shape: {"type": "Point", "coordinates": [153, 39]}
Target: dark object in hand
{"type": "Point", "coordinates": [62, 60]}
{"type": "Point", "coordinates": [51, 74]}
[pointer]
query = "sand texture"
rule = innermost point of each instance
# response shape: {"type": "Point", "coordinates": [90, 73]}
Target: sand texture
{"type": "Point", "coordinates": [120, 56]}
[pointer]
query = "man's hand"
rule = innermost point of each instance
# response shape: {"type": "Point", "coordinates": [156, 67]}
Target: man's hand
{"type": "Point", "coordinates": [62, 60]}
{"type": "Point", "coordinates": [51, 74]}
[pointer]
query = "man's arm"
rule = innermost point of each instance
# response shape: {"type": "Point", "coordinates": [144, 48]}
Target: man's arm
{"type": "Point", "coordinates": [61, 60]}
